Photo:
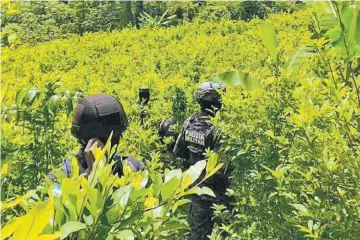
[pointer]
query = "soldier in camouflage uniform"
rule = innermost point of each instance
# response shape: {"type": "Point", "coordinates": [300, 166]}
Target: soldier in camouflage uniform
{"type": "Point", "coordinates": [95, 117]}
{"type": "Point", "coordinates": [198, 134]}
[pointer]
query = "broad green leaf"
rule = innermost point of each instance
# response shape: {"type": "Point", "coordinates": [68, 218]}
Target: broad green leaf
{"type": "Point", "coordinates": [334, 34]}
{"type": "Point", "coordinates": [125, 235]}
{"type": "Point", "coordinates": [204, 191]}
{"type": "Point", "coordinates": [112, 214]}
{"type": "Point", "coordinates": [211, 162]}
{"type": "Point", "coordinates": [195, 170]}
{"type": "Point", "coordinates": [35, 221]}
{"type": "Point", "coordinates": [10, 227]}
{"type": "Point", "coordinates": [173, 173]}
{"type": "Point", "coordinates": [53, 104]}
{"type": "Point", "coordinates": [135, 215]}
{"type": "Point", "coordinates": [327, 21]}
{"type": "Point", "coordinates": [235, 78]}
{"type": "Point", "coordinates": [20, 97]}
{"type": "Point", "coordinates": [350, 21]}
{"type": "Point", "coordinates": [75, 167]}
{"type": "Point", "coordinates": [71, 197]}
{"type": "Point", "coordinates": [303, 54]}
{"type": "Point", "coordinates": [213, 171]}
{"type": "Point", "coordinates": [121, 196]}
{"type": "Point", "coordinates": [96, 201]}
{"type": "Point", "coordinates": [68, 187]}
{"type": "Point", "coordinates": [71, 227]}
{"type": "Point", "coordinates": [174, 224]}
{"type": "Point", "coordinates": [89, 220]}
{"type": "Point", "coordinates": [268, 37]}
{"type": "Point", "coordinates": [168, 189]}
{"type": "Point", "coordinates": [157, 185]}
{"type": "Point", "coordinates": [31, 96]}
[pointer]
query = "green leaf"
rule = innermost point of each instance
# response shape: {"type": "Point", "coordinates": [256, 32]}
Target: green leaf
{"type": "Point", "coordinates": [301, 209]}
{"type": "Point", "coordinates": [168, 189]}
{"type": "Point", "coordinates": [205, 191]}
{"type": "Point", "coordinates": [195, 170]}
{"type": "Point", "coordinates": [334, 34]}
{"type": "Point", "coordinates": [69, 104]}
{"type": "Point", "coordinates": [212, 172]}
{"type": "Point", "coordinates": [121, 196]}
{"type": "Point", "coordinates": [173, 173]}
{"type": "Point", "coordinates": [174, 224]}
{"type": "Point", "coordinates": [96, 201]}
{"type": "Point", "coordinates": [71, 227]}
{"type": "Point", "coordinates": [303, 54]}
{"type": "Point", "coordinates": [31, 96]}
{"type": "Point", "coordinates": [235, 78]}
{"type": "Point", "coordinates": [89, 220]}
{"type": "Point", "coordinates": [11, 226]}
{"type": "Point", "coordinates": [350, 21]}
{"type": "Point", "coordinates": [135, 215]}
{"type": "Point", "coordinates": [268, 37]}
{"type": "Point", "coordinates": [113, 214]}
{"type": "Point", "coordinates": [211, 162]}
{"type": "Point", "coordinates": [304, 229]}
{"type": "Point", "coordinates": [35, 221]}
{"type": "Point", "coordinates": [20, 97]}
{"type": "Point", "coordinates": [53, 104]}
{"type": "Point", "coordinates": [125, 235]}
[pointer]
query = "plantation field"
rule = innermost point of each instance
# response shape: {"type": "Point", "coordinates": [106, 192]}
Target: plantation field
{"type": "Point", "coordinates": [291, 134]}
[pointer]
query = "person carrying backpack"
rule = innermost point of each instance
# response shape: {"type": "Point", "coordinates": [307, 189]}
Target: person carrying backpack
{"type": "Point", "coordinates": [197, 135]}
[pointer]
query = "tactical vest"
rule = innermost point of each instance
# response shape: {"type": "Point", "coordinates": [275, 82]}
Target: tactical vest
{"type": "Point", "coordinates": [200, 134]}
{"type": "Point", "coordinates": [198, 137]}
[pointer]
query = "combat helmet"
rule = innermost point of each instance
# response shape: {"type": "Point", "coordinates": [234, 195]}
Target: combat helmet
{"type": "Point", "coordinates": [96, 116]}
{"type": "Point", "coordinates": [208, 95]}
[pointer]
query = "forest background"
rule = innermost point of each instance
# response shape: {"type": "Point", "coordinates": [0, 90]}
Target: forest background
{"type": "Point", "coordinates": [290, 116]}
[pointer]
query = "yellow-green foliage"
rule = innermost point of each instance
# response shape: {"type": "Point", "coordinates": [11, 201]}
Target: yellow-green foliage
{"type": "Point", "coordinates": [293, 142]}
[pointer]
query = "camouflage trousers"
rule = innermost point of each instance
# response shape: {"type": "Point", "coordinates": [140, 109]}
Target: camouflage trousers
{"type": "Point", "coordinates": [200, 218]}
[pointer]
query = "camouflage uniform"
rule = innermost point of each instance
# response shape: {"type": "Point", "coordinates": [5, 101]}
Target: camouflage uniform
{"type": "Point", "coordinates": [198, 134]}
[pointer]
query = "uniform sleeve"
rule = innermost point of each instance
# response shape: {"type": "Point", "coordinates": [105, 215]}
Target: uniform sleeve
{"type": "Point", "coordinates": [180, 148]}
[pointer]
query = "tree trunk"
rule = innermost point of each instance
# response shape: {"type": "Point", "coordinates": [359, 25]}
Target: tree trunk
{"type": "Point", "coordinates": [128, 16]}
{"type": "Point", "coordinates": [139, 8]}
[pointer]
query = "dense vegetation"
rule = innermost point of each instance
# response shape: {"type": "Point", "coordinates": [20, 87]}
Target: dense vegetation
{"type": "Point", "coordinates": [33, 22]}
{"type": "Point", "coordinates": [293, 137]}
